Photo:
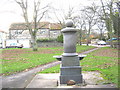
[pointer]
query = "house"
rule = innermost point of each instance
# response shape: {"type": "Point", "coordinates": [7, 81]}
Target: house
{"type": "Point", "coordinates": [3, 37]}
{"type": "Point", "coordinates": [45, 30]}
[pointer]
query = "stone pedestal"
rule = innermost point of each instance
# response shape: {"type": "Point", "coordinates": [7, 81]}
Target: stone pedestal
{"type": "Point", "coordinates": [70, 68]}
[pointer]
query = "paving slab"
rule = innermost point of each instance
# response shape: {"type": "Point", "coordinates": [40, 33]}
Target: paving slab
{"type": "Point", "coordinates": [92, 80]}
{"type": "Point", "coordinates": [44, 81]}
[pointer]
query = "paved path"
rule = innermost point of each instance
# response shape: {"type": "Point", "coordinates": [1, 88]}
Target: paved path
{"type": "Point", "coordinates": [22, 79]}
{"type": "Point", "coordinates": [86, 52]}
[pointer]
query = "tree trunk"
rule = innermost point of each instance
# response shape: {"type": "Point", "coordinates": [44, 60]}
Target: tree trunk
{"type": "Point", "coordinates": [34, 43]}
{"type": "Point", "coordinates": [101, 36]}
{"type": "Point", "coordinates": [87, 43]}
{"type": "Point", "coordinates": [111, 44]}
{"type": "Point", "coordinates": [80, 41]}
{"type": "Point", "coordinates": [87, 40]}
{"type": "Point", "coordinates": [111, 41]}
{"type": "Point", "coordinates": [79, 37]}
{"type": "Point", "coordinates": [88, 36]}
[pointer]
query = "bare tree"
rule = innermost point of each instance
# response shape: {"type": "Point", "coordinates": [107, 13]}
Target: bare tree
{"type": "Point", "coordinates": [62, 15]}
{"type": "Point", "coordinates": [108, 17]}
{"type": "Point", "coordinates": [80, 23]}
{"type": "Point", "coordinates": [38, 13]}
{"type": "Point", "coordinates": [90, 19]}
{"type": "Point", "coordinates": [100, 25]}
{"type": "Point", "coordinates": [118, 5]}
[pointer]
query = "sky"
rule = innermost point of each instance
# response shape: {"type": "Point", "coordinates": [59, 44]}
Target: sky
{"type": "Point", "coordinates": [10, 12]}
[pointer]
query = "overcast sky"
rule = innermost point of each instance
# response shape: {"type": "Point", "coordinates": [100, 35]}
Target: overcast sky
{"type": "Point", "coordinates": [10, 12]}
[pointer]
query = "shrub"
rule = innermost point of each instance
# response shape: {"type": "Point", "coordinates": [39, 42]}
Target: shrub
{"type": "Point", "coordinates": [60, 38]}
{"type": "Point", "coordinates": [45, 40]}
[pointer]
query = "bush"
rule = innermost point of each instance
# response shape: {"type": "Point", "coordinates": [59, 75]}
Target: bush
{"type": "Point", "coordinates": [45, 40]}
{"type": "Point", "coordinates": [60, 38]}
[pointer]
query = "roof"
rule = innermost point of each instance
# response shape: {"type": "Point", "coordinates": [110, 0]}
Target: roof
{"type": "Point", "coordinates": [41, 25]}
{"type": "Point", "coordinates": [54, 26]}
{"type": "Point", "coordinates": [3, 31]}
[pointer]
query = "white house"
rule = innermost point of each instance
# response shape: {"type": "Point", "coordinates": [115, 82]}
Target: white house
{"type": "Point", "coordinates": [19, 33]}
{"type": "Point", "coordinates": [3, 37]}
{"type": "Point", "coordinates": [46, 30]}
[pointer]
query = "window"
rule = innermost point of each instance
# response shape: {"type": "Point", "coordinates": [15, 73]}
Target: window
{"type": "Point", "coordinates": [42, 31]}
{"type": "Point", "coordinates": [18, 32]}
{"type": "Point", "coordinates": [54, 32]}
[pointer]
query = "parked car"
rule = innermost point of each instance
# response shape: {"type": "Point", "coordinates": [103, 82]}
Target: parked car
{"type": "Point", "coordinates": [113, 39]}
{"type": "Point", "coordinates": [15, 45]}
{"type": "Point", "coordinates": [101, 43]}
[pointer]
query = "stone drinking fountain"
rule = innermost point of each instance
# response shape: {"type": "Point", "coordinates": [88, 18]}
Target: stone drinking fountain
{"type": "Point", "coordinates": [70, 60]}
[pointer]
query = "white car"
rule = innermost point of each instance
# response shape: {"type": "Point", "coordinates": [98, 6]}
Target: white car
{"type": "Point", "coordinates": [101, 43]}
{"type": "Point", "coordinates": [15, 45]}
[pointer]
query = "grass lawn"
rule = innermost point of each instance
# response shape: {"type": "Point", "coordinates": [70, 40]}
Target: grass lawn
{"type": "Point", "coordinates": [16, 60]}
{"type": "Point", "coordinates": [104, 60]}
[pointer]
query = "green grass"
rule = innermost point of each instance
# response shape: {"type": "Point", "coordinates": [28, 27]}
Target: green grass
{"type": "Point", "coordinates": [55, 69]}
{"type": "Point", "coordinates": [25, 61]}
{"type": "Point", "coordinates": [106, 65]}
{"type": "Point", "coordinates": [83, 48]}
{"type": "Point", "coordinates": [18, 60]}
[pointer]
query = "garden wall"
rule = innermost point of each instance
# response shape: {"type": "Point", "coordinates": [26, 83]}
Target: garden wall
{"type": "Point", "coordinates": [115, 44]}
{"type": "Point", "coordinates": [49, 44]}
